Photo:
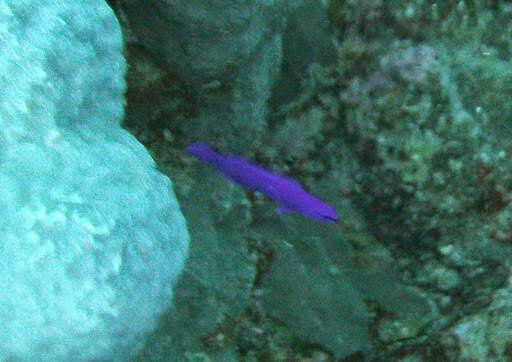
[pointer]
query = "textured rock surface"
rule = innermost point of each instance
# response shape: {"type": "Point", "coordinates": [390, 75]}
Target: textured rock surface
{"type": "Point", "coordinates": [486, 334]}
{"type": "Point", "coordinates": [203, 40]}
{"type": "Point", "coordinates": [230, 54]}
{"type": "Point", "coordinates": [91, 235]}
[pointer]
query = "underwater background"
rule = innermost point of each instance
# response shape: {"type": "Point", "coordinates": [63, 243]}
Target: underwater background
{"type": "Point", "coordinates": [395, 113]}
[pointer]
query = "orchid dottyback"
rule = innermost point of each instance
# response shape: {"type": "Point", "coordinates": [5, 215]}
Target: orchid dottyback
{"type": "Point", "coordinates": [288, 193]}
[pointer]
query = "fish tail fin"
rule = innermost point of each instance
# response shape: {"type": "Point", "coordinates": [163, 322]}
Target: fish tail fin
{"type": "Point", "coordinates": [204, 152]}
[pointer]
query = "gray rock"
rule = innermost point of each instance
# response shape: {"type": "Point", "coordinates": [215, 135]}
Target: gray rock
{"type": "Point", "coordinates": [231, 54]}
{"type": "Point", "coordinates": [204, 40]}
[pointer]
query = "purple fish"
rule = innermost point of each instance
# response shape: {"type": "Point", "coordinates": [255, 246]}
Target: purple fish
{"type": "Point", "coordinates": [288, 193]}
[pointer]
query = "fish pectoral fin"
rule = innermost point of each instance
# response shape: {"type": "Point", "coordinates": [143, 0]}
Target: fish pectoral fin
{"type": "Point", "coordinates": [228, 177]}
{"type": "Point", "coordinates": [283, 209]}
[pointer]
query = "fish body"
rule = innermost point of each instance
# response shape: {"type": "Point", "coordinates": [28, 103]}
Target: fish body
{"type": "Point", "coordinates": [286, 192]}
